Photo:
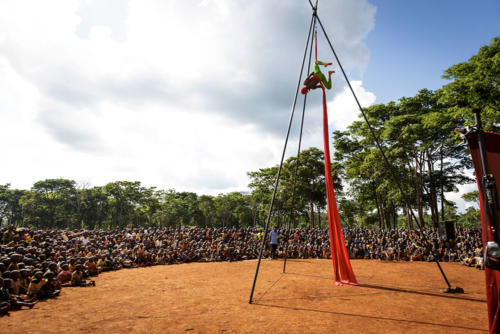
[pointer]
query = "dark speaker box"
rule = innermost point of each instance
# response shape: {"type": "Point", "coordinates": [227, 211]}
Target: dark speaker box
{"type": "Point", "coordinates": [447, 230]}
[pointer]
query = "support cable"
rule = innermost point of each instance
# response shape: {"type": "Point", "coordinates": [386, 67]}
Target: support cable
{"type": "Point", "coordinates": [281, 163]}
{"type": "Point", "coordinates": [292, 210]}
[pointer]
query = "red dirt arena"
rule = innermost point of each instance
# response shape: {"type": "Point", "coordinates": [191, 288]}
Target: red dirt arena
{"type": "Point", "coordinates": [393, 297]}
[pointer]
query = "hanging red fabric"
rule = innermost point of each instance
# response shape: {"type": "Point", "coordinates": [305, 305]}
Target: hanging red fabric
{"type": "Point", "coordinates": [315, 44]}
{"type": "Point", "coordinates": [492, 277]}
{"type": "Point", "coordinates": [340, 257]}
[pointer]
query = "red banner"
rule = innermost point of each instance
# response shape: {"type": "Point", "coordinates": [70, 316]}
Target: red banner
{"type": "Point", "coordinates": [492, 143]}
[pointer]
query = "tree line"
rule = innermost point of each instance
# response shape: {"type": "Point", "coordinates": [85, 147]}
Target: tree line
{"type": "Point", "coordinates": [417, 135]}
{"type": "Point", "coordinates": [59, 204]}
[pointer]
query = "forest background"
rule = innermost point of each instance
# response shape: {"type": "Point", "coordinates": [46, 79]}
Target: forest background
{"type": "Point", "coordinates": [418, 135]}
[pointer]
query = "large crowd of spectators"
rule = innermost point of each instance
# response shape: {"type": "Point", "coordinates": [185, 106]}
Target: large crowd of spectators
{"type": "Point", "coordinates": [35, 265]}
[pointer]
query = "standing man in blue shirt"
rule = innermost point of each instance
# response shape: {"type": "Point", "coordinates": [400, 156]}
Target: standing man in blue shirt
{"type": "Point", "coordinates": [274, 242]}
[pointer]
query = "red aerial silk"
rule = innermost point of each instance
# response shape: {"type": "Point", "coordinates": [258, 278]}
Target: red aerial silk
{"type": "Point", "coordinates": [492, 143]}
{"type": "Point", "coordinates": [340, 257]}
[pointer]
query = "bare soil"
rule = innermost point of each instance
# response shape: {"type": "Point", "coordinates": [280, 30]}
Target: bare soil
{"type": "Point", "coordinates": [393, 297]}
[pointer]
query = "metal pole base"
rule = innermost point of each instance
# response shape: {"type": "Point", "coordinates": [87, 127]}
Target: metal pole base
{"type": "Point", "coordinates": [456, 289]}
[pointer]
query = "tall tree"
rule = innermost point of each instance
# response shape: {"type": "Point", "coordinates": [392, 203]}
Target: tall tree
{"type": "Point", "coordinates": [123, 199]}
{"type": "Point", "coordinates": [50, 204]}
{"type": "Point", "coordinates": [476, 84]}
{"type": "Point", "coordinates": [94, 209]}
{"type": "Point", "coordinates": [10, 207]}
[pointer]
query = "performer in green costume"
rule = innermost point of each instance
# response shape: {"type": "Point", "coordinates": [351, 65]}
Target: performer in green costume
{"type": "Point", "coordinates": [312, 83]}
{"type": "Point", "coordinates": [321, 76]}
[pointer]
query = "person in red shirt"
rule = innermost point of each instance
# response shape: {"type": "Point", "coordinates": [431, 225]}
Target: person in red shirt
{"type": "Point", "coordinates": [92, 266]}
{"type": "Point", "coordinates": [65, 275]}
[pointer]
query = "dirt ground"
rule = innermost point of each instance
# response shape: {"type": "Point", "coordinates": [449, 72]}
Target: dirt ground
{"type": "Point", "coordinates": [392, 297]}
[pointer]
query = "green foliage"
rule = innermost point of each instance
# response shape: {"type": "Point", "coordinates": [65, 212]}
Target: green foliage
{"type": "Point", "coordinates": [470, 218]}
{"type": "Point", "coordinates": [476, 84]}
{"type": "Point", "coordinates": [50, 204]}
{"type": "Point", "coordinates": [301, 193]}
{"type": "Point", "coordinates": [58, 203]}
{"type": "Point", "coordinates": [471, 197]}
{"type": "Point", "coordinates": [10, 207]}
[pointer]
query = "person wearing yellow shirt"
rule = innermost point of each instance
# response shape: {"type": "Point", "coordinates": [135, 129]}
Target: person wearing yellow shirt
{"type": "Point", "coordinates": [36, 284]}
{"type": "Point", "coordinates": [101, 263]}
{"type": "Point", "coordinates": [77, 277]}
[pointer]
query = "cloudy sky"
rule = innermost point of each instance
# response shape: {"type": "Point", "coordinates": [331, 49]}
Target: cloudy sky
{"type": "Point", "coordinates": [193, 94]}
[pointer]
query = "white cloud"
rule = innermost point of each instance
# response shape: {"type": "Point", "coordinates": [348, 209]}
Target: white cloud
{"type": "Point", "coordinates": [184, 94]}
{"type": "Point", "coordinates": [344, 109]}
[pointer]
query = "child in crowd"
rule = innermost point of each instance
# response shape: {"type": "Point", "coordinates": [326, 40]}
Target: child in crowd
{"type": "Point", "coordinates": [91, 266]}
{"type": "Point", "coordinates": [102, 264]}
{"type": "Point", "coordinates": [65, 275]}
{"type": "Point", "coordinates": [35, 285]}
{"type": "Point", "coordinates": [77, 277]}
{"type": "Point", "coordinates": [48, 290]}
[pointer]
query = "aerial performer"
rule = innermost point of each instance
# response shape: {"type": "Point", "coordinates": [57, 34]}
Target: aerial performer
{"type": "Point", "coordinates": [312, 82]}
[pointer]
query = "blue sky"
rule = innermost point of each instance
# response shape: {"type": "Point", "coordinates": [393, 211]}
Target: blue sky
{"type": "Point", "coordinates": [413, 42]}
